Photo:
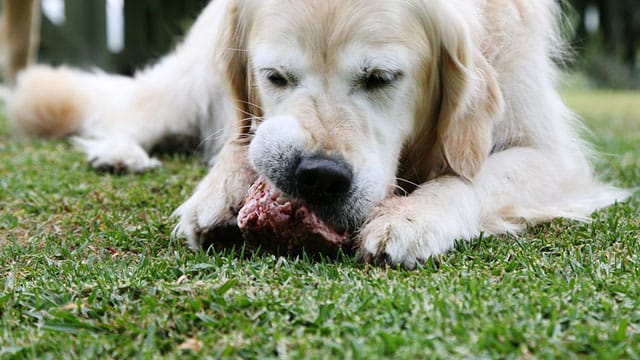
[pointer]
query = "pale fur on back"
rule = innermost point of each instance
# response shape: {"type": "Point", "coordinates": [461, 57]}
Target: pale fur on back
{"type": "Point", "coordinates": [475, 121]}
{"type": "Point", "coordinates": [528, 84]}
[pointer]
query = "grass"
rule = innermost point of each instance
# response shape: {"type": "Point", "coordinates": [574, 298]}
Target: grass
{"type": "Point", "coordinates": [89, 271]}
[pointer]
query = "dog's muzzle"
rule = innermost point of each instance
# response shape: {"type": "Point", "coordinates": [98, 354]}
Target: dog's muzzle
{"type": "Point", "coordinates": [320, 180]}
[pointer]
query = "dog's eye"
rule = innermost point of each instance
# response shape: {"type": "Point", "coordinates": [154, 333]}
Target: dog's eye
{"type": "Point", "coordinates": [276, 78]}
{"type": "Point", "coordinates": [377, 80]}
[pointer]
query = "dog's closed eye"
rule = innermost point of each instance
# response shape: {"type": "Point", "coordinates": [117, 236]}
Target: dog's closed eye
{"type": "Point", "coordinates": [278, 78]}
{"type": "Point", "coordinates": [377, 79]}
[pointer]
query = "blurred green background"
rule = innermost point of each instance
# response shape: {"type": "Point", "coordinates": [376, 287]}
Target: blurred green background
{"type": "Point", "coordinates": [115, 35]}
{"type": "Point", "coordinates": [604, 35]}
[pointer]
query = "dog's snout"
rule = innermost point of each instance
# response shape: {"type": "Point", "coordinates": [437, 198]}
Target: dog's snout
{"type": "Point", "coordinates": [320, 179]}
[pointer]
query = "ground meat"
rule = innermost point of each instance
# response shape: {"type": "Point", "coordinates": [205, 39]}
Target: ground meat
{"type": "Point", "coordinates": [282, 225]}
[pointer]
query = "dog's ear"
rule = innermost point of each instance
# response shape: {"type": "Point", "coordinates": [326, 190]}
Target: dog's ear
{"type": "Point", "coordinates": [471, 99]}
{"type": "Point", "coordinates": [232, 60]}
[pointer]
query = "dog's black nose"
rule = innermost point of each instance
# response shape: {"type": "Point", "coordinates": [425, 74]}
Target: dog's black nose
{"type": "Point", "coordinates": [322, 179]}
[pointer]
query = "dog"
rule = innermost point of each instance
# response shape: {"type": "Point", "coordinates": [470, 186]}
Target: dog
{"type": "Point", "coordinates": [424, 122]}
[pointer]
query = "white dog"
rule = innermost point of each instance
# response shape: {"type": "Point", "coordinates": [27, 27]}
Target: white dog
{"type": "Point", "coordinates": [423, 122]}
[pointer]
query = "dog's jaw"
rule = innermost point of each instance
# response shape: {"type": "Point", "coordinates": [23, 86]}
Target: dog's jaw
{"type": "Point", "coordinates": [276, 150]}
{"type": "Point", "coordinates": [280, 223]}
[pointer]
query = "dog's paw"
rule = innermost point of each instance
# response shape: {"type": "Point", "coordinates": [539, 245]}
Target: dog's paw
{"type": "Point", "coordinates": [205, 217]}
{"type": "Point", "coordinates": [396, 235]}
{"type": "Point", "coordinates": [393, 241]}
{"type": "Point", "coordinates": [116, 155]}
{"type": "Point", "coordinates": [209, 216]}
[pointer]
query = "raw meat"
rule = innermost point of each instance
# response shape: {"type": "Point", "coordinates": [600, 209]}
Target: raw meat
{"type": "Point", "coordinates": [283, 225]}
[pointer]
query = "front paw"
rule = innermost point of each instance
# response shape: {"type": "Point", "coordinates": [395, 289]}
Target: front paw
{"type": "Point", "coordinates": [398, 235]}
{"type": "Point", "coordinates": [208, 217]}
{"type": "Point", "coordinates": [116, 155]}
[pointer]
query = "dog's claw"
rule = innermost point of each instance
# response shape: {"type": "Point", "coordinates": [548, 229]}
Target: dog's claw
{"type": "Point", "coordinates": [223, 236]}
{"type": "Point", "coordinates": [117, 168]}
{"type": "Point", "coordinates": [384, 260]}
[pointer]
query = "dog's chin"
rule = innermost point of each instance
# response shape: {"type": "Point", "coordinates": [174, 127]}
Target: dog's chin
{"type": "Point", "coordinates": [344, 215]}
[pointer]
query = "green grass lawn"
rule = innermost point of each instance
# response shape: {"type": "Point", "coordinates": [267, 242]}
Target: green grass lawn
{"type": "Point", "coordinates": [89, 271]}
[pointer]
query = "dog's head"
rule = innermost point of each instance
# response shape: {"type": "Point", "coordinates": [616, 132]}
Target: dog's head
{"type": "Point", "coordinates": [346, 97]}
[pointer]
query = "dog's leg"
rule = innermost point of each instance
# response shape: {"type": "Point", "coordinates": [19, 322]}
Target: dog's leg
{"type": "Point", "coordinates": [180, 96]}
{"type": "Point", "coordinates": [118, 120]}
{"type": "Point", "coordinates": [210, 214]}
{"type": "Point", "coordinates": [112, 116]}
{"type": "Point", "coordinates": [116, 155]}
{"type": "Point", "coordinates": [516, 187]}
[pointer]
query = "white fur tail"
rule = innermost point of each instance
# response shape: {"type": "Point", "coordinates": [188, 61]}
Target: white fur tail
{"type": "Point", "coordinates": [48, 102]}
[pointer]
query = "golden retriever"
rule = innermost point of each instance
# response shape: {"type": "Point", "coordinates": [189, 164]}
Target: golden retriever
{"type": "Point", "coordinates": [426, 121]}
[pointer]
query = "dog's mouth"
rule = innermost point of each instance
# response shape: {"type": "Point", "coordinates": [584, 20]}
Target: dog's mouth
{"type": "Point", "coordinates": [280, 223]}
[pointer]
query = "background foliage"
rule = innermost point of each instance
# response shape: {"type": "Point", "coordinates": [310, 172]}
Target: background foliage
{"type": "Point", "coordinates": [151, 29]}
{"type": "Point", "coordinates": [609, 52]}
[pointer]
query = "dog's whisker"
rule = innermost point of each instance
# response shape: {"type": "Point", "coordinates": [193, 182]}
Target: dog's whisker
{"type": "Point", "coordinates": [211, 137]}
{"type": "Point", "coordinates": [244, 112]}
{"type": "Point", "coordinates": [402, 180]}
{"type": "Point", "coordinates": [218, 134]}
{"type": "Point", "coordinates": [401, 189]}
{"type": "Point", "coordinates": [237, 49]}
{"type": "Point", "coordinates": [251, 104]}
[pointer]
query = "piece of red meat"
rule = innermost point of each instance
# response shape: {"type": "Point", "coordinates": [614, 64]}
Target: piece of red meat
{"type": "Point", "coordinates": [283, 225]}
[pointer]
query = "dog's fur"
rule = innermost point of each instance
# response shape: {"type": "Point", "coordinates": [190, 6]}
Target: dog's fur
{"type": "Point", "coordinates": [444, 111]}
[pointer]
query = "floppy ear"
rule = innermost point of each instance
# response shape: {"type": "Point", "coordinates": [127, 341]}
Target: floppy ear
{"type": "Point", "coordinates": [471, 99]}
{"type": "Point", "coordinates": [232, 60]}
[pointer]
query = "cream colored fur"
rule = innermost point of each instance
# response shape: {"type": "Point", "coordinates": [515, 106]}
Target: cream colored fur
{"type": "Point", "coordinates": [469, 125]}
